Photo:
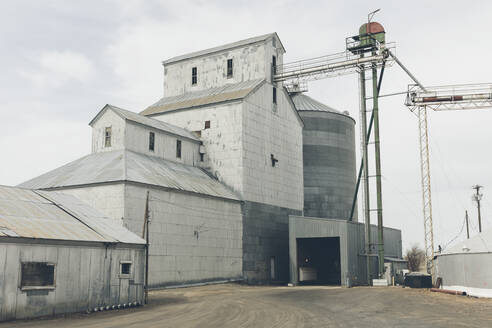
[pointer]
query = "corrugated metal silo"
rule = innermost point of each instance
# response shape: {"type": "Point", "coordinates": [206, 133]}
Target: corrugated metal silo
{"type": "Point", "coordinates": [329, 159]}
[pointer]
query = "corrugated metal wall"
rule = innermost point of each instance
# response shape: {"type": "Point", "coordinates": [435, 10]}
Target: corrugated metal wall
{"type": "Point", "coordinates": [85, 277]}
{"type": "Point", "coordinates": [469, 270]}
{"type": "Point", "coordinates": [352, 245]}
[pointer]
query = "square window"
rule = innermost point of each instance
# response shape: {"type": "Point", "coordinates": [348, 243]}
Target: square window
{"type": "Point", "coordinates": [151, 141]}
{"type": "Point", "coordinates": [37, 274]}
{"type": "Point", "coordinates": [107, 137]}
{"type": "Point", "coordinates": [229, 68]}
{"type": "Point", "coordinates": [125, 268]}
{"type": "Point", "coordinates": [194, 76]}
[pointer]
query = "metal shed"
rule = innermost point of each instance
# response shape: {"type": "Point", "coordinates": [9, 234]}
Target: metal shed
{"type": "Point", "coordinates": [328, 251]}
{"type": "Point", "coordinates": [58, 255]}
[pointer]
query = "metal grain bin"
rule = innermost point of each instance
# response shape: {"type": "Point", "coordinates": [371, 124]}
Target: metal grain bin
{"type": "Point", "coordinates": [329, 159]}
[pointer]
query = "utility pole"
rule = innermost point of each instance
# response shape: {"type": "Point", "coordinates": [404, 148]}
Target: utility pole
{"type": "Point", "coordinates": [478, 197]}
{"type": "Point", "coordinates": [467, 228]}
{"type": "Point", "coordinates": [145, 234]}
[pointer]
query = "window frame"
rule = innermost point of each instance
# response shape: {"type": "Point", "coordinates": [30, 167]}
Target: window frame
{"type": "Point", "coordinates": [126, 275]}
{"type": "Point", "coordinates": [151, 141]}
{"type": "Point", "coordinates": [107, 138]}
{"type": "Point", "coordinates": [230, 69]}
{"type": "Point", "coordinates": [34, 287]}
{"type": "Point", "coordinates": [194, 75]}
{"type": "Point", "coordinates": [179, 146]}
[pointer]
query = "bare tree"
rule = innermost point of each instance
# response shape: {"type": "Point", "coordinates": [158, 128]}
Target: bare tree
{"type": "Point", "coordinates": [415, 257]}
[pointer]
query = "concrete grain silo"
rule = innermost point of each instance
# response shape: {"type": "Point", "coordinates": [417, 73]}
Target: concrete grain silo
{"type": "Point", "coordinates": [329, 159]}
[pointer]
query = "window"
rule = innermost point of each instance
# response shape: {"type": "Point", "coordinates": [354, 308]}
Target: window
{"type": "Point", "coordinates": [274, 65]}
{"type": "Point", "coordinates": [274, 160]}
{"type": "Point", "coordinates": [125, 268]}
{"type": "Point", "coordinates": [178, 148]}
{"type": "Point", "coordinates": [107, 137]}
{"type": "Point", "coordinates": [207, 124]}
{"type": "Point", "coordinates": [274, 95]}
{"type": "Point", "coordinates": [229, 68]}
{"type": "Point", "coordinates": [193, 76]}
{"type": "Point", "coordinates": [201, 157]}
{"type": "Point", "coordinates": [151, 141]}
{"type": "Point", "coordinates": [37, 275]}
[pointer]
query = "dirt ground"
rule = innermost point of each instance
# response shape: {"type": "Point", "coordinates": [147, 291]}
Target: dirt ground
{"type": "Point", "coordinates": [308, 306]}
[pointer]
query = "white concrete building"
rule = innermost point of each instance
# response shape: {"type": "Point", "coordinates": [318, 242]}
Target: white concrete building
{"type": "Point", "coordinates": [252, 135]}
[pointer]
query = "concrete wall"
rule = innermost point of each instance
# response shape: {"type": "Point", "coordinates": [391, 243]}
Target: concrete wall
{"type": "Point", "coordinates": [137, 139]}
{"type": "Point", "coordinates": [86, 276]}
{"type": "Point", "coordinates": [467, 270]}
{"type": "Point", "coordinates": [352, 245]}
{"type": "Point", "coordinates": [117, 124]}
{"type": "Point", "coordinates": [329, 164]}
{"type": "Point", "coordinates": [272, 129]}
{"type": "Point", "coordinates": [192, 238]}
{"type": "Point", "coordinates": [222, 141]}
{"type": "Point", "coordinates": [265, 235]}
{"type": "Point", "coordinates": [250, 62]}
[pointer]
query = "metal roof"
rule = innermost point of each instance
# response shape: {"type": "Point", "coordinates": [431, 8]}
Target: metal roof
{"type": "Point", "coordinates": [147, 121]}
{"type": "Point", "coordinates": [228, 46]}
{"type": "Point", "coordinates": [481, 243]}
{"type": "Point", "coordinates": [51, 215]}
{"type": "Point", "coordinates": [228, 92]}
{"type": "Point", "coordinates": [125, 165]}
{"type": "Point", "coordinates": [306, 103]}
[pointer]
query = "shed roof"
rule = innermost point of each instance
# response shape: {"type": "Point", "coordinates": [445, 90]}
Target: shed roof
{"type": "Point", "coordinates": [228, 92]}
{"type": "Point", "coordinates": [228, 46]}
{"type": "Point", "coordinates": [126, 165]}
{"type": "Point", "coordinates": [147, 121]}
{"type": "Point", "coordinates": [26, 213]}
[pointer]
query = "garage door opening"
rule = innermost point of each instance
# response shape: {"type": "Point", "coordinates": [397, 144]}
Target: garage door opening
{"type": "Point", "coordinates": [318, 260]}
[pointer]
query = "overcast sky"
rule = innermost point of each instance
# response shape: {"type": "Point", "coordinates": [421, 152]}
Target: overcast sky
{"type": "Point", "coordinates": [62, 61]}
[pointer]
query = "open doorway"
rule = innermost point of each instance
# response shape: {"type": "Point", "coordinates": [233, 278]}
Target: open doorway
{"type": "Point", "coordinates": [318, 260]}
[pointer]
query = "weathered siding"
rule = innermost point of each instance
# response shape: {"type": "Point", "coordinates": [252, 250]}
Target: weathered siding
{"type": "Point", "coordinates": [137, 139]}
{"type": "Point", "coordinates": [265, 235]}
{"type": "Point", "coordinates": [109, 199]}
{"type": "Point", "coordinates": [250, 62]}
{"type": "Point", "coordinates": [117, 124]}
{"type": "Point", "coordinates": [222, 141]}
{"type": "Point", "coordinates": [192, 238]}
{"type": "Point", "coordinates": [85, 277]}
{"type": "Point", "coordinates": [272, 129]}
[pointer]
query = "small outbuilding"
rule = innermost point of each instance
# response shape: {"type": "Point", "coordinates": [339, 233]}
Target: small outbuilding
{"type": "Point", "coordinates": [59, 255]}
{"type": "Point", "coordinates": [467, 266]}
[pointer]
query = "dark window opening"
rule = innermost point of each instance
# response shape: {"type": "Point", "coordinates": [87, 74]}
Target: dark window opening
{"type": "Point", "coordinates": [37, 274]}
{"type": "Point", "coordinates": [107, 137]}
{"type": "Point", "coordinates": [126, 268]}
{"type": "Point", "coordinates": [274, 95]}
{"type": "Point", "coordinates": [193, 75]}
{"type": "Point", "coordinates": [274, 65]}
{"type": "Point", "coordinates": [201, 157]}
{"type": "Point", "coordinates": [229, 68]}
{"type": "Point", "coordinates": [207, 124]}
{"type": "Point", "coordinates": [274, 160]}
{"type": "Point", "coordinates": [151, 141]}
{"type": "Point", "coordinates": [178, 148]}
